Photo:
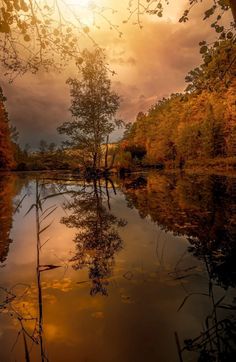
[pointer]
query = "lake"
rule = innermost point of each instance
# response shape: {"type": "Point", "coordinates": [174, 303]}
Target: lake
{"type": "Point", "coordinates": [135, 269]}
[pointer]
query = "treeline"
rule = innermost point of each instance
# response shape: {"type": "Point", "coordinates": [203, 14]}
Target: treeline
{"type": "Point", "coordinates": [86, 133]}
{"type": "Point", "coordinates": [6, 145]}
{"type": "Point", "coordinates": [48, 156]}
{"type": "Point", "coordinates": [186, 205]}
{"type": "Point", "coordinates": [198, 124]}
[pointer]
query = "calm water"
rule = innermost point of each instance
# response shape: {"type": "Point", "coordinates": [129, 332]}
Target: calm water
{"type": "Point", "coordinates": [132, 270]}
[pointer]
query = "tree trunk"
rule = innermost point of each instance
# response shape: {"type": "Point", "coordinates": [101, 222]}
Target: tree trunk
{"type": "Point", "coordinates": [95, 160]}
{"type": "Point", "coordinates": [233, 8]}
{"type": "Point", "coordinates": [113, 160]}
{"type": "Point", "coordinates": [106, 154]}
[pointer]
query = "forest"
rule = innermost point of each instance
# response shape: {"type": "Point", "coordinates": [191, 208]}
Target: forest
{"type": "Point", "coordinates": [192, 129]}
{"type": "Point", "coordinates": [117, 180]}
{"type": "Point", "coordinates": [197, 125]}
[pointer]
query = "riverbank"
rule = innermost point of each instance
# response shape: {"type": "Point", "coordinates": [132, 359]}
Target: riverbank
{"type": "Point", "coordinates": [216, 165]}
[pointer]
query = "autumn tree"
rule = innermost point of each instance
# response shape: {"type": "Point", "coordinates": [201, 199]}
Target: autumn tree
{"type": "Point", "coordinates": [8, 191]}
{"type": "Point", "coordinates": [6, 151]}
{"type": "Point", "coordinates": [35, 34]}
{"type": "Point", "coordinates": [97, 236]}
{"type": "Point", "coordinates": [197, 124]}
{"type": "Point", "coordinates": [93, 108]}
{"type": "Point", "coordinates": [43, 147]}
{"type": "Point", "coordinates": [215, 9]}
{"type": "Point", "coordinates": [217, 72]}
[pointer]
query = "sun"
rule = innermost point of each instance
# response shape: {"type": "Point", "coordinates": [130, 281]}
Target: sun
{"type": "Point", "coordinates": [84, 9]}
{"type": "Point", "coordinates": [81, 3]}
{"type": "Point", "coordinates": [84, 3]}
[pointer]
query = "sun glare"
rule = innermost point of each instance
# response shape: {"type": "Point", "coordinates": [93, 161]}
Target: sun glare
{"type": "Point", "coordinates": [85, 9]}
{"type": "Point", "coordinates": [82, 3]}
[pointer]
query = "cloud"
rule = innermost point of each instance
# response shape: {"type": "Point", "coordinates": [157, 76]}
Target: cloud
{"type": "Point", "coordinates": [37, 105]}
{"type": "Point", "coordinates": [150, 64]}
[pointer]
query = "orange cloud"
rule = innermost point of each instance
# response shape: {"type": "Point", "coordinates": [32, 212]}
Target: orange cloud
{"type": "Point", "coordinates": [150, 63]}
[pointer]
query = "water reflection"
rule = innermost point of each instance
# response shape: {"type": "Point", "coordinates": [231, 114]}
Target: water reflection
{"type": "Point", "coordinates": [15, 300]}
{"type": "Point", "coordinates": [97, 238]}
{"type": "Point", "coordinates": [7, 193]}
{"type": "Point", "coordinates": [202, 208]}
{"type": "Point", "coordinates": [169, 274]}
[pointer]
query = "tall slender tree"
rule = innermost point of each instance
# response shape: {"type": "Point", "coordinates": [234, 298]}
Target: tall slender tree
{"type": "Point", "coordinates": [93, 108]}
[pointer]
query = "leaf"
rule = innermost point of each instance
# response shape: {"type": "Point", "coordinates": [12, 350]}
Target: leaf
{"type": "Point", "coordinates": [20, 203]}
{"type": "Point", "coordinates": [54, 195]}
{"type": "Point", "coordinates": [44, 243]}
{"type": "Point", "coordinates": [79, 61]}
{"type": "Point", "coordinates": [56, 32]}
{"type": "Point", "coordinates": [47, 209]}
{"type": "Point", "coordinates": [31, 207]}
{"type": "Point", "coordinates": [230, 35]}
{"type": "Point", "coordinates": [220, 300]}
{"type": "Point", "coordinates": [48, 267]}
{"type": "Point", "coordinates": [4, 27]}
{"type": "Point", "coordinates": [46, 216]}
{"type": "Point", "coordinates": [188, 296]}
{"type": "Point", "coordinates": [86, 29]}
{"type": "Point", "coordinates": [203, 49]}
{"type": "Point", "coordinates": [23, 6]}
{"type": "Point", "coordinates": [45, 228]}
{"type": "Point", "coordinates": [27, 37]}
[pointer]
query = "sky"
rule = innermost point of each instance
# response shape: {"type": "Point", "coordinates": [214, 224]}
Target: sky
{"type": "Point", "coordinates": [150, 63]}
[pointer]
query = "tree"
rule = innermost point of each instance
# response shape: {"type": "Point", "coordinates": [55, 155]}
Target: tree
{"type": "Point", "coordinates": [43, 147]}
{"type": "Point", "coordinates": [93, 109]}
{"type": "Point", "coordinates": [216, 8]}
{"type": "Point", "coordinates": [35, 34]}
{"type": "Point", "coordinates": [51, 147]}
{"type": "Point", "coordinates": [6, 150]}
{"type": "Point", "coordinates": [97, 236]}
{"type": "Point", "coordinates": [8, 191]}
{"type": "Point", "coordinates": [218, 69]}
{"type": "Point", "coordinates": [197, 124]}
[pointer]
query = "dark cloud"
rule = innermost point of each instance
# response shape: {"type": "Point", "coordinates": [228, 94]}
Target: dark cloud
{"type": "Point", "coordinates": [36, 106]}
{"type": "Point", "coordinates": [150, 64]}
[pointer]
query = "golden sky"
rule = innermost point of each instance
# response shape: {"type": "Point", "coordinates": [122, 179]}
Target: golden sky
{"type": "Point", "coordinates": [150, 63]}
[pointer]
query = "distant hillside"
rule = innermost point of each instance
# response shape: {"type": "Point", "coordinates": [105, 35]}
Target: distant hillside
{"type": "Point", "coordinates": [198, 124]}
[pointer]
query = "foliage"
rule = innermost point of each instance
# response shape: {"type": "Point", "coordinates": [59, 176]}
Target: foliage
{"type": "Point", "coordinates": [97, 237]}
{"type": "Point", "coordinates": [197, 124]}
{"type": "Point", "coordinates": [218, 69]}
{"type": "Point", "coordinates": [6, 149]}
{"type": "Point", "coordinates": [45, 34]}
{"type": "Point", "coordinates": [93, 108]}
{"type": "Point", "coordinates": [7, 192]}
{"type": "Point", "coordinates": [123, 160]}
{"type": "Point", "coordinates": [216, 9]}
{"type": "Point", "coordinates": [49, 33]}
{"type": "Point", "coordinates": [199, 207]}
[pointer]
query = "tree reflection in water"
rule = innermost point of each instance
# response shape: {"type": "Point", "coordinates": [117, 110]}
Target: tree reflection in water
{"type": "Point", "coordinates": [14, 300]}
{"type": "Point", "coordinates": [8, 190]}
{"type": "Point", "coordinates": [202, 209]}
{"type": "Point", "coordinates": [199, 208]}
{"type": "Point", "coordinates": [97, 238]}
